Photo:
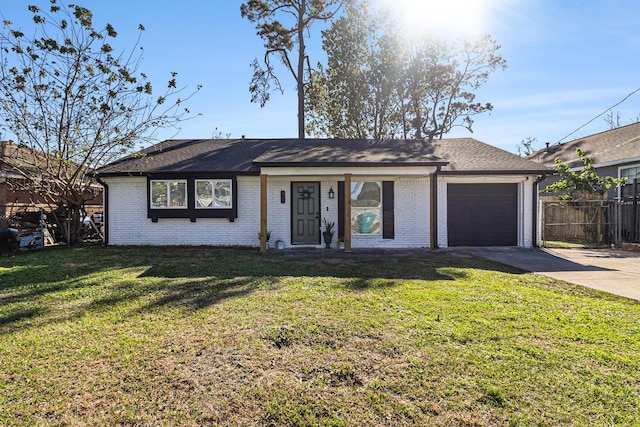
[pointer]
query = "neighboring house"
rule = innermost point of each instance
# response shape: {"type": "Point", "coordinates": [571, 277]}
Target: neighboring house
{"type": "Point", "coordinates": [614, 153]}
{"type": "Point", "coordinates": [386, 194]}
{"type": "Point", "coordinates": [14, 160]}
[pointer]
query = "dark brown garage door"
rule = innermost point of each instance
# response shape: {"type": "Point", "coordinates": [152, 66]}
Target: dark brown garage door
{"type": "Point", "coordinates": [482, 214]}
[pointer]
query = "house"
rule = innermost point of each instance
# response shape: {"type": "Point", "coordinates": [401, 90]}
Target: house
{"type": "Point", "coordinates": [614, 153]}
{"type": "Point", "coordinates": [16, 161]}
{"type": "Point", "coordinates": [381, 194]}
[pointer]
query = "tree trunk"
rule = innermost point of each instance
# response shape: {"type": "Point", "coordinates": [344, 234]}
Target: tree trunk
{"type": "Point", "coordinates": [301, 57]}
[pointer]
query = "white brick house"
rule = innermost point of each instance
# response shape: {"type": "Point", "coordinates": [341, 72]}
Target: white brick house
{"type": "Point", "coordinates": [386, 194]}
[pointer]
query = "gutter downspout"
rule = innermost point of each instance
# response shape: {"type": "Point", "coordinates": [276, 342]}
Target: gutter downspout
{"type": "Point", "coordinates": [534, 237]}
{"type": "Point", "coordinates": [105, 207]}
{"type": "Point", "coordinates": [434, 210]}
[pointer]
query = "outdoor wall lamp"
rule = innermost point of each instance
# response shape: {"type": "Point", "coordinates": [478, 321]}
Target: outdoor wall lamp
{"type": "Point", "coordinates": [331, 193]}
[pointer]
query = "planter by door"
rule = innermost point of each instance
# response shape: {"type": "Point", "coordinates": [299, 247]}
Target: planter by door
{"type": "Point", "coordinates": [328, 237]}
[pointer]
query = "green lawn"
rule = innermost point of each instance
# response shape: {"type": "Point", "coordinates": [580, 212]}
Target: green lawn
{"type": "Point", "coordinates": [204, 336]}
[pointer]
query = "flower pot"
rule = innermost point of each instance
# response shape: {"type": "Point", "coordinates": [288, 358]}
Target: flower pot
{"type": "Point", "coordinates": [280, 244]}
{"type": "Point", "coordinates": [327, 239]}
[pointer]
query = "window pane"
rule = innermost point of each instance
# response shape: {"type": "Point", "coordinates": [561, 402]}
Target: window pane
{"type": "Point", "coordinates": [204, 194]}
{"type": "Point", "coordinates": [365, 221]}
{"type": "Point", "coordinates": [159, 197]}
{"type": "Point", "coordinates": [178, 194]}
{"type": "Point", "coordinates": [223, 193]}
{"type": "Point", "coordinates": [365, 194]}
{"type": "Point", "coordinates": [365, 207]}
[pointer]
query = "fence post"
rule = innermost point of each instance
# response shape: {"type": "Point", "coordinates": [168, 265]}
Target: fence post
{"type": "Point", "coordinates": [635, 210]}
{"type": "Point", "coordinates": [68, 227]}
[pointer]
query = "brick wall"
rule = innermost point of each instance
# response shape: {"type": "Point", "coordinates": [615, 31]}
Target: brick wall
{"type": "Point", "coordinates": [129, 225]}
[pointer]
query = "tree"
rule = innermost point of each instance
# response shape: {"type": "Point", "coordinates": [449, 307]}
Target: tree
{"type": "Point", "coordinates": [614, 120]}
{"type": "Point", "coordinates": [75, 103]}
{"type": "Point", "coordinates": [441, 78]}
{"type": "Point", "coordinates": [526, 146]}
{"type": "Point", "coordinates": [573, 184]}
{"type": "Point", "coordinates": [419, 88]}
{"type": "Point", "coordinates": [355, 97]}
{"type": "Point", "coordinates": [280, 40]}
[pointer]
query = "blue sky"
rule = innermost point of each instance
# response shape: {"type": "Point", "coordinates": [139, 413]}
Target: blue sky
{"type": "Point", "coordinates": [567, 62]}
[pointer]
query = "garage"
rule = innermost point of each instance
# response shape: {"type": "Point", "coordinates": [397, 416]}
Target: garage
{"type": "Point", "coordinates": [482, 214]}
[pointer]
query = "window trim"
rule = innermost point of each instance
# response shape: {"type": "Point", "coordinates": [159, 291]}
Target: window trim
{"type": "Point", "coordinates": [629, 182]}
{"type": "Point", "coordinates": [230, 213]}
{"type": "Point", "coordinates": [379, 208]}
{"type": "Point", "coordinates": [213, 183]}
{"type": "Point", "coordinates": [168, 183]}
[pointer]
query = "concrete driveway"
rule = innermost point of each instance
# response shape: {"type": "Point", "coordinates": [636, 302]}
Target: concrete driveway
{"type": "Point", "coordinates": [609, 270]}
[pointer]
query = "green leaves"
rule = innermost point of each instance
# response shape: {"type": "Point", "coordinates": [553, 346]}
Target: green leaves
{"type": "Point", "coordinates": [69, 95]}
{"type": "Point", "coordinates": [573, 183]}
{"type": "Point", "coordinates": [280, 40]}
{"type": "Point", "coordinates": [378, 85]}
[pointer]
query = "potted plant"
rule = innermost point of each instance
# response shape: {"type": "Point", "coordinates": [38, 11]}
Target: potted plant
{"type": "Point", "coordinates": [280, 244]}
{"type": "Point", "coordinates": [328, 232]}
{"type": "Point", "coordinates": [268, 237]}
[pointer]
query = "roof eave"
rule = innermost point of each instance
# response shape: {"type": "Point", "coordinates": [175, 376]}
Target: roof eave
{"type": "Point", "coordinates": [347, 164]}
{"type": "Point", "coordinates": [499, 172]}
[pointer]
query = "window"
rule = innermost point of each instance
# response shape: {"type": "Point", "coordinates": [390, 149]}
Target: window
{"type": "Point", "coordinates": [629, 173]}
{"type": "Point", "coordinates": [212, 194]}
{"type": "Point", "coordinates": [366, 207]}
{"type": "Point", "coordinates": [169, 194]}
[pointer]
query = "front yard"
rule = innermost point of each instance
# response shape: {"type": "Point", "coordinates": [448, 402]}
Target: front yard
{"type": "Point", "coordinates": [204, 336]}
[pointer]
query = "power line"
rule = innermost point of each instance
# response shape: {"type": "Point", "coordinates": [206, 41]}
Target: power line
{"type": "Point", "coordinates": [599, 115]}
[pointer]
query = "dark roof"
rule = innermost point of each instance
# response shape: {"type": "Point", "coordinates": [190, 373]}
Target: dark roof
{"type": "Point", "coordinates": [468, 155]}
{"type": "Point", "coordinates": [614, 146]}
{"type": "Point", "coordinates": [246, 156]}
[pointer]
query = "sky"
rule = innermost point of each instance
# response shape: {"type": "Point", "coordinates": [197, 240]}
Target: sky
{"type": "Point", "coordinates": [568, 61]}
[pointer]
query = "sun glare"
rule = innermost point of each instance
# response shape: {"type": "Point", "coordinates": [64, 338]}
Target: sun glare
{"type": "Point", "coordinates": [442, 17]}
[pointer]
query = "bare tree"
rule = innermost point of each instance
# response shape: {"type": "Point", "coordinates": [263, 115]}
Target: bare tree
{"type": "Point", "coordinates": [614, 119]}
{"type": "Point", "coordinates": [526, 146]}
{"type": "Point", "coordinates": [75, 103]}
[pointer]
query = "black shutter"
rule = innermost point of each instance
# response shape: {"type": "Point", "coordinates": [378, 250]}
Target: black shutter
{"type": "Point", "coordinates": [340, 209]}
{"type": "Point", "coordinates": [388, 219]}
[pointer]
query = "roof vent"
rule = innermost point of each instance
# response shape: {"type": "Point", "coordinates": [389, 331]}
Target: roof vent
{"type": "Point", "coordinates": [242, 136]}
{"type": "Point", "coordinates": [547, 147]}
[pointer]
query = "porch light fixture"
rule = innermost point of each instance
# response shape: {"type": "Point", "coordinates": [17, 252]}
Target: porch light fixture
{"type": "Point", "coordinates": [331, 193]}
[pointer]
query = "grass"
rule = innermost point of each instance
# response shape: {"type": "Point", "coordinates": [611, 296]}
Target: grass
{"type": "Point", "coordinates": [570, 245]}
{"type": "Point", "coordinates": [204, 336]}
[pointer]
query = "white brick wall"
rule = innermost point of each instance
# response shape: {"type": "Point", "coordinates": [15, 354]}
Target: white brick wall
{"type": "Point", "coordinates": [411, 211]}
{"type": "Point", "coordinates": [129, 225]}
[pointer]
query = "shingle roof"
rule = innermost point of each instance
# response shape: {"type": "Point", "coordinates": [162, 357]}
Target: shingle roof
{"type": "Point", "coordinates": [14, 157]}
{"type": "Point", "coordinates": [468, 155]}
{"type": "Point", "coordinates": [614, 146]}
{"type": "Point", "coordinates": [245, 156]}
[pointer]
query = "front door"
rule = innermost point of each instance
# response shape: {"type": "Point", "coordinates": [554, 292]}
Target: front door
{"type": "Point", "coordinates": [305, 213]}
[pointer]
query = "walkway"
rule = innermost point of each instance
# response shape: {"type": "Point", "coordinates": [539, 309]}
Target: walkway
{"type": "Point", "coordinates": [609, 270]}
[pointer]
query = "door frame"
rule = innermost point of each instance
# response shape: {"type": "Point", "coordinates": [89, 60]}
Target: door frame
{"type": "Point", "coordinates": [291, 199]}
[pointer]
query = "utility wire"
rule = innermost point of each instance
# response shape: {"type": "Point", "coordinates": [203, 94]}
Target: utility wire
{"type": "Point", "coordinates": [599, 115]}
